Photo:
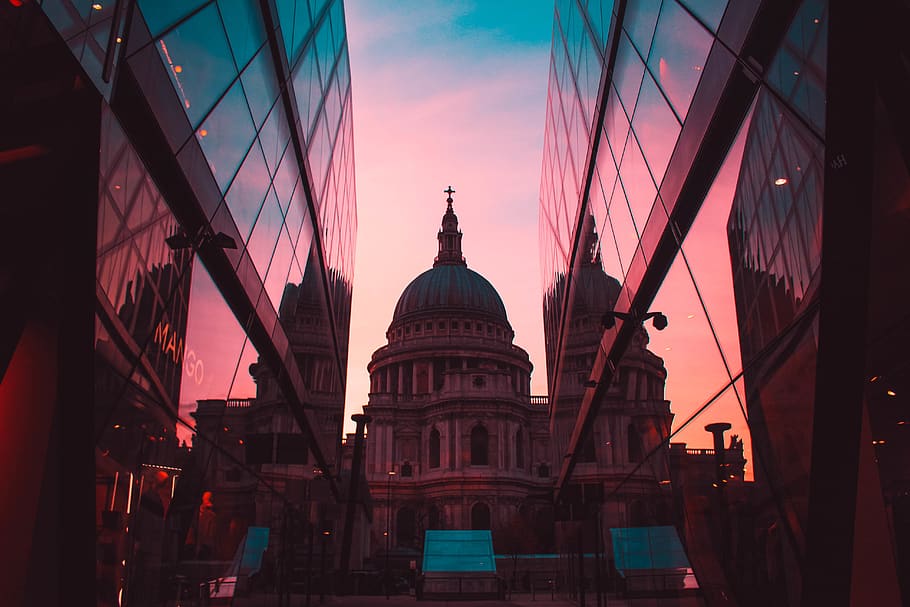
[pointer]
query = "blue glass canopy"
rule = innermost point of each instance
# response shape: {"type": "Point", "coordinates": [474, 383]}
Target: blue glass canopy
{"type": "Point", "coordinates": [458, 551]}
{"type": "Point", "coordinates": [647, 548]}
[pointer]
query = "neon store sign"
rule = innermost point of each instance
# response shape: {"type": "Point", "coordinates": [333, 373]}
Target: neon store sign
{"type": "Point", "coordinates": [175, 350]}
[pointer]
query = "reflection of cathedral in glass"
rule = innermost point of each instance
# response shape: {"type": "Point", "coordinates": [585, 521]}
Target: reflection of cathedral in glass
{"type": "Point", "coordinates": [625, 456]}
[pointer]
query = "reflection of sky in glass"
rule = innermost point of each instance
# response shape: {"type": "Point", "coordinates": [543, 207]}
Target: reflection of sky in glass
{"type": "Point", "coordinates": [218, 354]}
{"type": "Point", "coordinates": [677, 59]}
{"type": "Point", "coordinates": [696, 368]}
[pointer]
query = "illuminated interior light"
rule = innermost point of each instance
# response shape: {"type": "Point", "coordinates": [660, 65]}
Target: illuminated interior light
{"type": "Point", "coordinates": [874, 378]}
{"type": "Point", "coordinates": [116, 187]}
{"type": "Point", "coordinates": [697, 68]}
{"type": "Point", "coordinates": [129, 496]}
{"type": "Point", "coordinates": [203, 132]}
{"type": "Point", "coordinates": [668, 348]}
{"type": "Point", "coordinates": [16, 3]}
{"type": "Point", "coordinates": [117, 426]}
{"type": "Point", "coordinates": [240, 442]}
{"type": "Point", "coordinates": [119, 39]}
{"type": "Point", "coordinates": [178, 69]}
{"type": "Point", "coordinates": [97, 6]}
{"type": "Point", "coordinates": [816, 20]}
{"type": "Point", "coordinates": [901, 423]}
{"type": "Point", "coordinates": [664, 482]}
{"type": "Point", "coordinates": [781, 181]}
{"type": "Point", "coordinates": [691, 316]}
{"type": "Point", "coordinates": [891, 393]}
{"type": "Point", "coordinates": [795, 73]}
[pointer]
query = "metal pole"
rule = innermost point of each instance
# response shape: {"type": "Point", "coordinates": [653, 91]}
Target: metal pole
{"type": "Point", "coordinates": [388, 533]}
{"type": "Point", "coordinates": [325, 536]}
{"type": "Point", "coordinates": [353, 488]}
{"type": "Point", "coordinates": [309, 564]}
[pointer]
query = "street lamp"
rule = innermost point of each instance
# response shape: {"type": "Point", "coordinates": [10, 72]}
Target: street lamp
{"type": "Point", "coordinates": [388, 532]}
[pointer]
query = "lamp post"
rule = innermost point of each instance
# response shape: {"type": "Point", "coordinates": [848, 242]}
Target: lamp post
{"type": "Point", "coordinates": [388, 533]}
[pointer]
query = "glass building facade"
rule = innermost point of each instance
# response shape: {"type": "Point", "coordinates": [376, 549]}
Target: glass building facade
{"type": "Point", "coordinates": [181, 179]}
{"type": "Point", "coordinates": [739, 168]}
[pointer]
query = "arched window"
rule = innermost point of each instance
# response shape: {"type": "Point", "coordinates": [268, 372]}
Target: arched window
{"type": "Point", "coordinates": [406, 527]}
{"type": "Point", "coordinates": [479, 446]}
{"type": "Point", "coordinates": [434, 448]}
{"type": "Point", "coordinates": [480, 516]}
{"type": "Point", "coordinates": [634, 444]}
{"type": "Point", "coordinates": [519, 450]}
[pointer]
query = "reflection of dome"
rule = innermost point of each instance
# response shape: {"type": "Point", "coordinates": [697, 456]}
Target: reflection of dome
{"type": "Point", "coordinates": [595, 290]}
{"type": "Point", "coordinates": [450, 287]}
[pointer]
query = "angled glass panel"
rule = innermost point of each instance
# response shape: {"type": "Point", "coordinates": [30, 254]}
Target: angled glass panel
{"type": "Point", "coordinates": [637, 183]}
{"type": "Point", "coordinates": [656, 127]}
{"type": "Point", "coordinates": [265, 234]}
{"type": "Point", "coordinates": [640, 17]}
{"type": "Point", "coordinates": [286, 178]}
{"type": "Point", "coordinates": [199, 61]}
{"type": "Point", "coordinates": [226, 135]}
{"type": "Point", "coordinates": [307, 89]}
{"type": "Point", "coordinates": [245, 29]}
{"type": "Point", "coordinates": [277, 277]}
{"type": "Point", "coordinates": [302, 28]}
{"type": "Point", "coordinates": [627, 74]}
{"type": "Point", "coordinates": [678, 57]}
{"type": "Point", "coordinates": [260, 85]}
{"type": "Point", "coordinates": [161, 14]}
{"type": "Point", "coordinates": [247, 192]}
{"type": "Point", "coordinates": [709, 11]}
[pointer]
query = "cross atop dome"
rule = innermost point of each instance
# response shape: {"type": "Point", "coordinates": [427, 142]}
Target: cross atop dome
{"type": "Point", "coordinates": [449, 236]}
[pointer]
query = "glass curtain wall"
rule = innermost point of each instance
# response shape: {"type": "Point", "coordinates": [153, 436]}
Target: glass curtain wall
{"type": "Point", "coordinates": [693, 178]}
{"type": "Point", "coordinates": [225, 248]}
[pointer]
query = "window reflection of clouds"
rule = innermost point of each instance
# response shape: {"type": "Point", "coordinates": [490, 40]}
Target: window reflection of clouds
{"type": "Point", "coordinates": [656, 128]}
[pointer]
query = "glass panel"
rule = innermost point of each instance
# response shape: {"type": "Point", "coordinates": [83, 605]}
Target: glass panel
{"type": "Point", "coordinates": [247, 192]}
{"type": "Point", "coordinates": [265, 234]}
{"type": "Point", "coordinates": [245, 30]}
{"type": "Point", "coordinates": [637, 183]}
{"type": "Point", "coordinates": [260, 85]}
{"type": "Point", "coordinates": [161, 14]}
{"type": "Point", "coordinates": [709, 11]}
{"type": "Point", "coordinates": [278, 270]}
{"type": "Point", "coordinates": [656, 127]}
{"type": "Point", "coordinates": [199, 62]}
{"type": "Point", "coordinates": [627, 74]}
{"type": "Point", "coordinates": [641, 15]}
{"type": "Point", "coordinates": [681, 47]}
{"type": "Point", "coordinates": [226, 135]}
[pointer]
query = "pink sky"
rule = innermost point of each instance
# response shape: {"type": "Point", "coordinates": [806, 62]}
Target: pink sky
{"type": "Point", "coordinates": [441, 97]}
{"type": "Point", "coordinates": [431, 109]}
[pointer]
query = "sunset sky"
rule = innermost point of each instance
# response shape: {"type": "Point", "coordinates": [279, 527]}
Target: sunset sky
{"type": "Point", "coordinates": [446, 93]}
{"type": "Point", "coordinates": [450, 93]}
{"type": "Point", "coordinates": [455, 93]}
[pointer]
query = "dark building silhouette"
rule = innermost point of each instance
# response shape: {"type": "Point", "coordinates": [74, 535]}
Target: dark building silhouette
{"type": "Point", "coordinates": [665, 119]}
{"type": "Point", "coordinates": [175, 177]}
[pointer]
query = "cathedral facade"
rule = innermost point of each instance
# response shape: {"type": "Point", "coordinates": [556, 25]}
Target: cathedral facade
{"type": "Point", "coordinates": [456, 439]}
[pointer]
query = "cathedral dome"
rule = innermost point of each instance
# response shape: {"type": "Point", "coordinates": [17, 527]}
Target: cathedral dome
{"type": "Point", "coordinates": [450, 287]}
